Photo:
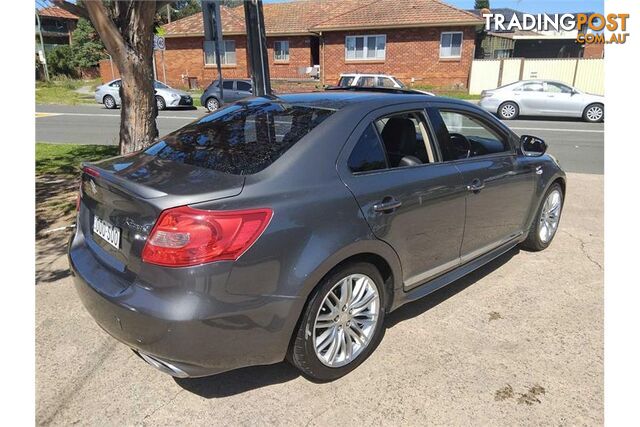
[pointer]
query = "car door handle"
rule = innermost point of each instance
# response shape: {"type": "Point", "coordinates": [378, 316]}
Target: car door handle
{"type": "Point", "coordinates": [387, 205]}
{"type": "Point", "coordinates": [475, 186]}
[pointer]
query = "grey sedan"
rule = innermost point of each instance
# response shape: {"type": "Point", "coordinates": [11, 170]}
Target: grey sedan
{"type": "Point", "coordinates": [166, 96]}
{"type": "Point", "coordinates": [542, 98]}
{"type": "Point", "coordinates": [232, 90]}
{"type": "Point", "coordinates": [288, 227]}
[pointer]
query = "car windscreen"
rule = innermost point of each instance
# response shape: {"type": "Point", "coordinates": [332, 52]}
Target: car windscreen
{"type": "Point", "coordinates": [402, 85]}
{"type": "Point", "coordinates": [159, 85]}
{"type": "Point", "coordinates": [241, 139]}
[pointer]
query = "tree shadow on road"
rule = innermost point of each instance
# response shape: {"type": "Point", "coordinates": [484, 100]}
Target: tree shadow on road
{"type": "Point", "coordinates": [254, 377]}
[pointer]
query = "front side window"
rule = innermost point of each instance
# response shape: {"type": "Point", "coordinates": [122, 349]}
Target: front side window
{"type": "Point", "coordinates": [365, 47]}
{"type": "Point", "coordinates": [405, 139]}
{"type": "Point", "coordinates": [244, 86]}
{"type": "Point", "coordinates": [366, 81]}
{"type": "Point", "coordinates": [451, 45]}
{"type": "Point", "coordinates": [467, 136]}
{"type": "Point", "coordinates": [281, 50]}
{"type": "Point", "coordinates": [368, 154]}
{"type": "Point", "coordinates": [117, 83]}
{"type": "Point", "coordinates": [227, 56]}
{"type": "Point", "coordinates": [557, 88]}
{"type": "Point", "coordinates": [227, 85]}
{"type": "Point", "coordinates": [385, 82]}
{"type": "Point", "coordinates": [240, 139]}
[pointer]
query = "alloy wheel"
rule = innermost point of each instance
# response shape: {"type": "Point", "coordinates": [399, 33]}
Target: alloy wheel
{"type": "Point", "coordinates": [595, 113]}
{"type": "Point", "coordinates": [109, 102]}
{"type": "Point", "coordinates": [550, 216]}
{"type": "Point", "coordinates": [212, 104]}
{"type": "Point", "coordinates": [346, 321]}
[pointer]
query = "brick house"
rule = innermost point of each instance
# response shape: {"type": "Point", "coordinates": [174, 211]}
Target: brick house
{"type": "Point", "coordinates": [423, 41]}
{"type": "Point", "coordinates": [56, 25]}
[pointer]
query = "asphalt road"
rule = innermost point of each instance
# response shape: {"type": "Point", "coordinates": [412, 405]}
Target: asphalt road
{"type": "Point", "coordinates": [579, 146]}
{"type": "Point", "coordinates": [518, 342]}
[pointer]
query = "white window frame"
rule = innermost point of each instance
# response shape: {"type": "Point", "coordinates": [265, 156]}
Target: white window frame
{"type": "Point", "coordinates": [365, 48]}
{"type": "Point", "coordinates": [284, 58]}
{"type": "Point", "coordinates": [461, 43]}
{"type": "Point", "coordinates": [223, 55]}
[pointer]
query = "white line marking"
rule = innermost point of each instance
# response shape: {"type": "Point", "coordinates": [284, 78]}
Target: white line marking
{"type": "Point", "coordinates": [560, 130]}
{"type": "Point", "coordinates": [118, 115]}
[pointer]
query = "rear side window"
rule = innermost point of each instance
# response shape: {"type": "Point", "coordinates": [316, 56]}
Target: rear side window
{"type": "Point", "coordinates": [227, 84]}
{"type": "Point", "coordinates": [240, 139]}
{"type": "Point", "coordinates": [368, 154]}
{"type": "Point", "coordinates": [244, 86]}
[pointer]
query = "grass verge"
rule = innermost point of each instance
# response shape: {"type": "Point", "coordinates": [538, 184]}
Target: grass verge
{"type": "Point", "coordinates": [57, 172]}
{"type": "Point", "coordinates": [65, 91]}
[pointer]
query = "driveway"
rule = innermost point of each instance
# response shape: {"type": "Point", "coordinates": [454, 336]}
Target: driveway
{"type": "Point", "coordinates": [578, 145]}
{"type": "Point", "coordinates": [518, 342]}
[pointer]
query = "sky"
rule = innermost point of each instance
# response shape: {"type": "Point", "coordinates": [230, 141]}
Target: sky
{"type": "Point", "coordinates": [531, 6]}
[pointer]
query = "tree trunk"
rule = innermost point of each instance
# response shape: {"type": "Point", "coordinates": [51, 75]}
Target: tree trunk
{"type": "Point", "coordinates": [138, 111]}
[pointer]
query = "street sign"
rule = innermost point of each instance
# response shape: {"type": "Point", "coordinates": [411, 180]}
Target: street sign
{"type": "Point", "coordinates": [158, 43]}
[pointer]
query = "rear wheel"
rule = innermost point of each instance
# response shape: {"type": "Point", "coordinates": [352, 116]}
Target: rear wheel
{"type": "Point", "coordinates": [342, 323]}
{"type": "Point", "coordinates": [508, 111]}
{"type": "Point", "coordinates": [160, 103]}
{"type": "Point", "coordinates": [544, 226]}
{"type": "Point", "coordinates": [594, 113]}
{"type": "Point", "coordinates": [109, 102]}
{"type": "Point", "coordinates": [212, 104]}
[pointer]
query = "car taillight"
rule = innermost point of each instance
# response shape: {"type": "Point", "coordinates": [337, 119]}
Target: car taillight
{"type": "Point", "coordinates": [185, 236]}
{"type": "Point", "coordinates": [90, 171]}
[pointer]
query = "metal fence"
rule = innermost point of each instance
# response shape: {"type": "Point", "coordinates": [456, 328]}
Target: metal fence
{"type": "Point", "coordinates": [584, 74]}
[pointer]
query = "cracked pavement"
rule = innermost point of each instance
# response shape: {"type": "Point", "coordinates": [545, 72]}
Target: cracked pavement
{"type": "Point", "coordinates": [518, 342]}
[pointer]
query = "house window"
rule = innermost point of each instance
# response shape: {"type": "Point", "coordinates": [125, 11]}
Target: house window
{"type": "Point", "coordinates": [227, 56]}
{"type": "Point", "coordinates": [365, 47]}
{"type": "Point", "coordinates": [450, 45]}
{"type": "Point", "coordinates": [281, 51]}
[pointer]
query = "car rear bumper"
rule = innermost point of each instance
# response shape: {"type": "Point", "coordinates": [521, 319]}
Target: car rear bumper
{"type": "Point", "coordinates": [183, 332]}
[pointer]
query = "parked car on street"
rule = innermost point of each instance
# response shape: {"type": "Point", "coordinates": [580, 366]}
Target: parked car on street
{"type": "Point", "coordinates": [542, 98]}
{"type": "Point", "coordinates": [166, 96]}
{"type": "Point", "coordinates": [289, 227]}
{"type": "Point", "coordinates": [232, 89]}
{"type": "Point", "coordinates": [372, 80]}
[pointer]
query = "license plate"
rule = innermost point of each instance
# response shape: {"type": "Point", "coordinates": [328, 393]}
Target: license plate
{"type": "Point", "coordinates": [107, 231]}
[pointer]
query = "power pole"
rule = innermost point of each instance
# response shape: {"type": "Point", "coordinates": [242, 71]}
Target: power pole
{"type": "Point", "coordinates": [169, 13]}
{"type": "Point", "coordinates": [257, 47]}
{"type": "Point", "coordinates": [44, 56]}
{"type": "Point", "coordinates": [213, 33]}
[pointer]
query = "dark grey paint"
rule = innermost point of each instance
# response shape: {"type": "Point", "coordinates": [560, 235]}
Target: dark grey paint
{"type": "Point", "coordinates": [225, 315]}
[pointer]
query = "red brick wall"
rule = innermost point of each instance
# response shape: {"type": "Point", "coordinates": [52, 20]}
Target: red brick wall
{"type": "Point", "coordinates": [410, 53]}
{"type": "Point", "coordinates": [299, 57]}
{"type": "Point", "coordinates": [593, 50]}
{"type": "Point", "coordinates": [105, 71]}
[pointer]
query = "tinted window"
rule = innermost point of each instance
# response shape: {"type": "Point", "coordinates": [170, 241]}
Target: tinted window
{"type": "Point", "coordinates": [159, 85]}
{"type": "Point", "coordinates": [467, 134]}
{"type": "Point", "coordinates": [345, 81]}
{"type": "Point", "coordinates": [227, 84]}
{"type": "Point", "coordinates": [240, 139]}
{"type": "Point", "coordinates": [244, 86]}
{"type": "Point", "coordinates": [368, 154]}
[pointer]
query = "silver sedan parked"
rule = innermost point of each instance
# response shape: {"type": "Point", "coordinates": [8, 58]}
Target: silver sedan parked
{"type": "Point", "coordinates": [166, 96]}
{"type": "Point", "coordinates": [542, 98]}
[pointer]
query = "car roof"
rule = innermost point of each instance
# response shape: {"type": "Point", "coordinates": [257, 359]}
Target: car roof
{"type": "Point", "coordinates": [338, 99]}
{"type": "Point", "coordinates": [365, 74]}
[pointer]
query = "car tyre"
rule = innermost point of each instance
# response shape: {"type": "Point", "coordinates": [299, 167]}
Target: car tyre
{"type": "Point", "coordinates": [349, 332]}
{"type": "Point", "coordinates": [212, 104]}
{"type": "Point", "coordinates": [160, 103]}
{"type": "Point", "coordinates": [508, 111]}
{"type": "Point", "coordinates": [594, 113]}
{"type": "Point", "coordinates": [547, 217]}
{"type": "Point", "coordinates": [109, 102]}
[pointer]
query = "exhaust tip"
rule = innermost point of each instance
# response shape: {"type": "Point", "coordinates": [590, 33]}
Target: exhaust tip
{"type": "Point", "coordinates": [162, 365]}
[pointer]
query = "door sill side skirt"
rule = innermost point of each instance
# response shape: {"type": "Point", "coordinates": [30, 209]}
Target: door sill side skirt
{"type": "Point", "coordinates": [428, 287]}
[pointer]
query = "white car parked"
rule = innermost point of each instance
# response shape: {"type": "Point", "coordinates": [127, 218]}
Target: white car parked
{"type": "Point", "coordinates": [373, 80]}
{"type": "Point", "coordinates": [166, 96]}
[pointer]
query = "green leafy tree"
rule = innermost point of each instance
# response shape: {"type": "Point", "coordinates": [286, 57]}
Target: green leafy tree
{"type": "Point", "coordinates": [87, 47]}
{"type": "Point", "coordinates": [60, 61]}
{"type": "Point", "coordinates": [179, 9]}
{"type": "Point", "coordinates": [482, 4]}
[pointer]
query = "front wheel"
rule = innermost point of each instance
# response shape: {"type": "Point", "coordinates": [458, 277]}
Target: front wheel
{"type": "Point", "coordinates": [508, 111]}
{"type": "Point", "coordinates": [160, 103]}
{"type": "Point", "coordinates": [594, 113]}
{"type": "Point", "coordinates": [544, 226]}
{"type": "Point", "coordinates": [342, 323]}
{"type": "Point", "coordinates": [109, 102]}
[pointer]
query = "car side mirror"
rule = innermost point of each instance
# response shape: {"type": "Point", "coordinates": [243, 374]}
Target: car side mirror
{"type": "Point", "coordinates": [532, 146]}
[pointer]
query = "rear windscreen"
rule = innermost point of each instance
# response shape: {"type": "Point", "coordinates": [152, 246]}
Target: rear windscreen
{"type": "Point", "coordinates": [241, 139]}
